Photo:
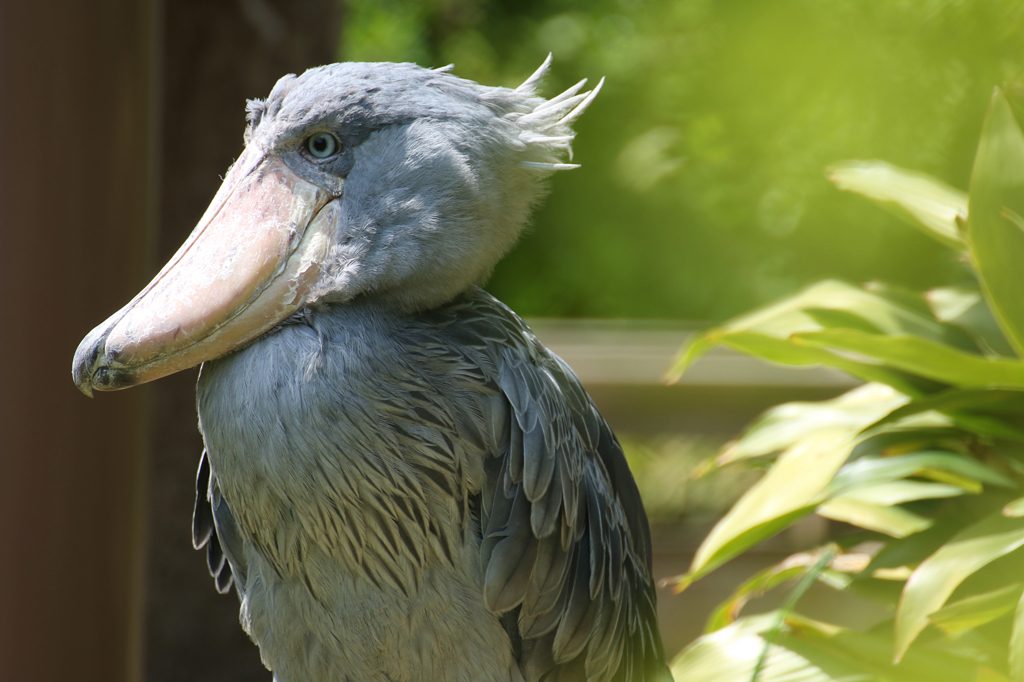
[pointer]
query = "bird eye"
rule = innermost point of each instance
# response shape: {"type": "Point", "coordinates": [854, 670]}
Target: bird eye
{"type": "Point", "coordinates": [322, 145]}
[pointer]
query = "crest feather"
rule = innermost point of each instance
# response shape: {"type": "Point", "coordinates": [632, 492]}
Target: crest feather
{"type": "Point", "coordinates": [547, 128]}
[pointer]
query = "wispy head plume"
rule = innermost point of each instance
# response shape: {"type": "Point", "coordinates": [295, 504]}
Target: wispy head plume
{"type": "Point", "coordinates": [547, 128]}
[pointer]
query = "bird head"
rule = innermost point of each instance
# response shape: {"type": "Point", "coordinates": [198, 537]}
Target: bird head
{"type": "Point", "coordinates": [388, 181]}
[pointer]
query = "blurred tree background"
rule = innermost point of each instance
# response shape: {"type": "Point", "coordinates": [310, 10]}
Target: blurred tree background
{"type": "Point", "coordinates": [703, 192]}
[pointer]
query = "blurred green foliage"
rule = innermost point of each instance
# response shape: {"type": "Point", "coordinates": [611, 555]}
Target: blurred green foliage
{"type": "Point", "coordinates": [674, 486]}
{"type": "Point", "coordinates": [702, 192]}
{"type": "Point", "coordinates": [925, 463]}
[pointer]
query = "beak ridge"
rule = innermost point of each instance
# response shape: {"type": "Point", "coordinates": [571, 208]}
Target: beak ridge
{"type": "Point", "coordinates": [250, 262]}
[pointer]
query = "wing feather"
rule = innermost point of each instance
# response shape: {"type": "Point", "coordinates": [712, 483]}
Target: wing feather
{"type": "Point", "coordinates": [213, 527]}
{"type": "Point", "coordinates": [548, 576]}
{"type": "Point", "coordinates": [512, 560]}
{"type": "Point", "coordinates": [564, 540]}
{"type": "Point", "coordinates": [539, 465]}
{"type": "Point", "coordinates": [545, 513]}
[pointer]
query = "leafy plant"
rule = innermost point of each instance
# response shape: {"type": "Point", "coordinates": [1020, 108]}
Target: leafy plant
{"type": "Point", "coordinates": [925, 460]}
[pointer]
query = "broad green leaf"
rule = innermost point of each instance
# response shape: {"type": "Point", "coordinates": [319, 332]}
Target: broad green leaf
{"type": "Point", "coordinates": [967, 614]}
{"type": "Point", "coordinates": [950, 303]}
{"type": "Point", "coordinates": [952, 478]}
{"type": "Point", "coordinates": [772, 348]}
{"type": "Point", "coordinates": [790, 568]}
{"type": "Point", "coordinates": [786, 424]}
{"type": "Point", "coordinates": [798, 313]}
{"type": "Point", "coordinates": [786, 610]}
{"type": "Point", "coordinates": [1014, 509]}
{"type": "Point", "coordinates": [789, 490]}
{"type": "Point", "coordinates": [842, 319]}
{"type": "Point", "coordinates": [783, 351]}
{"type": "Point", "coordinates": [788, 353]}
{"type": "Point", "coordinates": [962, 406]}
{"type": "Point", "coordinates": [1017, 644]}
{"type": "Point", "coordinates": [809, 651]}
{"type": "Point", "coordinates": [870, 470]}
{"type": "Point", "coordinates": [928, 420]}
{"type": "Point", "coordinates": [968, 310]}
{"type": "Point", "coordinates": [985, 426]}
{"type": "Point", "coordinates": [968, 399]}
{"type": "Point", "coordinates": [922, 357]}
{"type": "Point", "coordinates": [934, 580]}
{"type": "Point", "coordinates": [728, 611]}
{"type": "Point", "coordinates": [896, 522]}
{"type": "Point", "coordinates": [996, 201]}
{"type": "Point", "coordinates": [898, 492]}
{"type": "Point", "coordinates": [873, 652]}
{"type": "Point", "coordinates": [912, 300]}
{"type": "Point", "coordinates": [695, 347]}
{"type": "Point", "coordinates": [872, 506]}
{"type": "Point", "coordinates": [765, 332]}
{"type": "Point", "coordinates": [923, 200]}
{"type": "Point", "coordinates": [731, 654]}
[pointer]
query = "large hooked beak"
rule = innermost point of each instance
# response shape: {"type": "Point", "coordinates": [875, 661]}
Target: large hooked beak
{"type": "Point", "coordinates": [248, 265]}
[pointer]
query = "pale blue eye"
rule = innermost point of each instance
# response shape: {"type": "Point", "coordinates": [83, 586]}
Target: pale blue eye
{"type": "Point", "coordinates": [322, 145]}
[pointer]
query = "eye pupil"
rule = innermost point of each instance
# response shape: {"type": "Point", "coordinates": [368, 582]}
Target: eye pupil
{"type": "Point", "coordinates": [321, 146]}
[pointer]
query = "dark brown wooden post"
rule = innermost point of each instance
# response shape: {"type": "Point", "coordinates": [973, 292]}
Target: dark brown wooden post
{"type": "Point", "coordinates": [77, 198]}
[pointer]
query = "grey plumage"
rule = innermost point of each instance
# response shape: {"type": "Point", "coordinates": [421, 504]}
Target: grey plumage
{"type": "Point", "coordinates": [400, 481]}
{"type": "Point", "coordinates": [367, 448]}
{"type": "Point", "coordinates": [439, 173]}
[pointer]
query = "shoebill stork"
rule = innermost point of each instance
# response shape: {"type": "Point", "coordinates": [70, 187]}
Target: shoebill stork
{"type": "Point", "coordinates": [402, 483]}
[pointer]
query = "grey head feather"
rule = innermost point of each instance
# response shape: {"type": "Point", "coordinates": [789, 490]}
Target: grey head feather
{"type": "Point", "coordinates": [436, 177]}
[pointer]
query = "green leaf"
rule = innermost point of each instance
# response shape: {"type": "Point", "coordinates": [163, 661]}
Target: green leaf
{"type": "Point", "coordinates": [873, 651]}
{"type": "Point", "coordinates": [803, 472]}
{"type": "Point", "coordinates": [967, 309]}
{"type": "Point", "coordinates": [985, 426]}
{"type": "Point", "coordinates": [784, 425]}
{"type": "Point", "coordinates": [897, 492]}
{"type": "Point", "coordinates": [810, 651]}
{"type": "Point", "coordinates": [807, 311]}
{"type": "Point", "coordinates": [996, 202]}
{"type": "Point", "coordinates": [826, 554]}
{"type": "Point", "coordinates": [843, 319]}
{"type": "Point", "coordinates": [922, 357]}
{"type": "Point", "coordinates": [931, 584]}
{"type": "Point", "coordinates": [921, 199]}
{"type": "Point", "coordinates": [788, 353]}
{"type": "Point", "coordinates": [765, 332]}
{"type": "Point", "coordinates": [896, 522]}
{"type": "Point", "coordinates": [870, 470]}
{"type": "Point", "coordinates": [696, 346]}
{"type": "Point", "coordinates": [790, 568]}
{"type": "Point", "coordinates": [967, 614]}
{"type": "Point", "coordinates": [728, 611]}
{"type": "Point", "coordinates": [1014, 509]}
{"type": "Point", "coordinates": [970, 399]}
{"type": "Point", "coordinates": [1017, 644]}
{"type": "Point", "coordinates": [731, 655]}
{"type": "Point", "coordinates": [912, 300]}
{"type": "Point", "coordinates": [872, 505]}
{"type": "Point", "coordinates": [950, 303]}
{"type": "Point", "coordinates": [961, 405]}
